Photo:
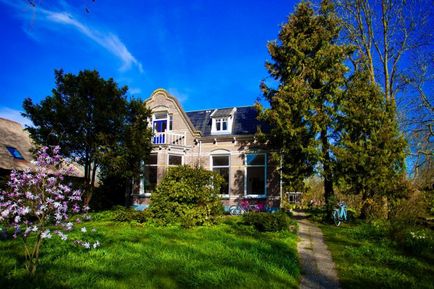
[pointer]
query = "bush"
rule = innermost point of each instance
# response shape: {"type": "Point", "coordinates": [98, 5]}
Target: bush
{"type": "Point", "coordinates": [130, 215]}
{"type": "Point", "coordinates": [266, 222]}
{"type": "Point", "coordinates": [187, 196]}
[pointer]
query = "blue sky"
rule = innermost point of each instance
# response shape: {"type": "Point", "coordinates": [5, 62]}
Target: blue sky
{"type": "Point", "coordinates": [207, 53]}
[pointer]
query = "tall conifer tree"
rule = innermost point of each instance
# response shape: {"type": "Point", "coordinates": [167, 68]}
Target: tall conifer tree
{"type": "Point", "coordinates": [370, 151]}
{"type": "Point", "coordinates": [309, 66]}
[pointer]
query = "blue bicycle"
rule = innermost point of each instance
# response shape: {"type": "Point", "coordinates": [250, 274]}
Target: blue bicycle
{"type": "Point", "coordinates": [340, 213]}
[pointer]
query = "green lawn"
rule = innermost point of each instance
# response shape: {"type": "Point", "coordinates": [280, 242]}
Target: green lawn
{"type": "Point", "coordinates": [228, 255]}
{"type": "Point", "coordinates": [367, 259]}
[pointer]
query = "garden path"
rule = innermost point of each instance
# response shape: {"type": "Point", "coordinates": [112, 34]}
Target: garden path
{"type": "Point", "coordinates": [317, 266]}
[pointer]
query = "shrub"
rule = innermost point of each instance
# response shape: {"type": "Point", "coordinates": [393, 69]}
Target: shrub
{"type": "Point", "coordinates": [266, 222]}
{"type": "Point", "coordinates": [187, 196]}
{"type": "Point", "coordinates": [131, 215]}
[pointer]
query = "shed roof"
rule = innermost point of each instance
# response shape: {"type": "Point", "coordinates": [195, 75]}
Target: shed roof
{"type": "Point", "coordinates": [13, 135]}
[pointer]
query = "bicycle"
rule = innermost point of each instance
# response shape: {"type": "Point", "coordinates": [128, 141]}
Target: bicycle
{"type": "Point", "coordinates": [340, 214]}
{"type": "Point", "coordinates": [244, 206]}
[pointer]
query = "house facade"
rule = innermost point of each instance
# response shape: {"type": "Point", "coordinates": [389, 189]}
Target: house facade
{"type": "Point", "coordinates": [221, 140]}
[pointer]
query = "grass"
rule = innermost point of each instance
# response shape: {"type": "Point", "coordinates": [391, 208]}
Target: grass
{"type": "Point", "coordinates": [365, 257]}
{"type": "Point", "coordinates": [228, 255]}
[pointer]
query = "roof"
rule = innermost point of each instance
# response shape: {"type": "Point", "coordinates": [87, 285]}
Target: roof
{"type": "Point", "coordinates": [14, 136]}
{"type": "Point", "coordinates": [169, 96]}
{"type": "Point", "coordinates": [245, 122]}
{"type": "Point", "coordinates": [222, 112]}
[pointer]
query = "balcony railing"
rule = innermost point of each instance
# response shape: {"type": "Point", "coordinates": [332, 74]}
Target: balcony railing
{"type": "Point", "coordinates": [169, 138]}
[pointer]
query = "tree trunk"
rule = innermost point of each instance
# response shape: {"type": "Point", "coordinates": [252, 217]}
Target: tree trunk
{"type": "Point", "coordinates": [365, 207]}
{"type": "Point", "coordinates": [328, 174]}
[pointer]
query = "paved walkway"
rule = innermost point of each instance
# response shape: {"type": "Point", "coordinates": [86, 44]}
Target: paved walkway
{"type": "Point", "coordinates": [317, 267]}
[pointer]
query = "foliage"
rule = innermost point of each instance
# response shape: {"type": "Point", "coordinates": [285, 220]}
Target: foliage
{"type": "Point", "coordinates": [187, 195]}
{"type": "Point", "coordinates": [39, 204]}
{"type": "Point", "coordinates": [309, 67]}
{"type": "Point", "coordinates": [267, 222]}
{"type": "Point", "coordinates": [90, 118]}
{"type": "Point", "coordinates": [367, 256]}
{"type": "Point", "coordinates": [124, 162]}
{"type": "Point", "coordinates": [122, 214]}
{"type": "Point", "coordinates": [392, 40]}
{"type": "Point", "coordinates": [370, 153]}
{"type": "Point", "coordinates": [141, 256]}
{"type": "Point", "coordinates": [314, 191]}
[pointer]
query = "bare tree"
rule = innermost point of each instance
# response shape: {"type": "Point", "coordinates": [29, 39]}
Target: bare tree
{"type": "Point", "coordinates": [395, 40]}
{"type": "Point", "coordinates": [385, 32]}
{"type": "Point", "coordinates": [417, 113]}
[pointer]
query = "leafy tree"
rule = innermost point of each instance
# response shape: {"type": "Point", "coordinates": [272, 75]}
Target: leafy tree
{"type": "Point", "coordinates": [187, 195]}
{"type": "Point", "coordinates": [309, 66]}
{"type": "Point", "coordinates": [125, 161]}
{"type": "Point", "coordinates": [370, 152]}
{"type": "Point", "coordinates": [91, 119]}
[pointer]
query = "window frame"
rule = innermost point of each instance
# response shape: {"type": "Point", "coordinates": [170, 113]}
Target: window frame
{"type": "Point", "coordinates": [228, 166]}
{"type": "Point", "coordinates": [168, 119]}
{"type": "Point", "coordinates": [246, 166]}
{"type": "Point", "coordinates": [174, 154]}
{"type": "Point", "coordinates": [219, 123]}
{"type": "Point", "coordinates": [142, 182]}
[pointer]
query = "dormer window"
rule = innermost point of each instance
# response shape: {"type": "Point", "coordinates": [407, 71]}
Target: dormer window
{"type": "Point", "coordinates": [221, 124]}
{"type": "Point", "coordinates": [222, 120]}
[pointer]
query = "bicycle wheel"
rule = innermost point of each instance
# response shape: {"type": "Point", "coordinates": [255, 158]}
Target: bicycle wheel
{"type": "Point", "coordinates": [235, 210]}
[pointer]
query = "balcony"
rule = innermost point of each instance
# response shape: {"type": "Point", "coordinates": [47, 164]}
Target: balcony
{"type": "Point", "coordinates": [169, 138]}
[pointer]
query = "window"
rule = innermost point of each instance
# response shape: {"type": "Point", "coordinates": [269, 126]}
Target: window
{"type": "Point", "coordinates": [256, 174]}
{"type": "Point", "coordinates": [15, 153]}
{"type": "Point", "coordinates": [161, 122]}
{"type": "Point", "coordinates": [150, 174]}
{"type": "Point", "coordinates": [175, 160]}
{"type": "Point", "coordinates": [221, 124]}
{"type": "Point", "coordinates": [220, 165]}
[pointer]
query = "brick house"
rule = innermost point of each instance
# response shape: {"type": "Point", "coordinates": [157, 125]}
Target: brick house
{"type": "Point", "coordinates": [221, 140]}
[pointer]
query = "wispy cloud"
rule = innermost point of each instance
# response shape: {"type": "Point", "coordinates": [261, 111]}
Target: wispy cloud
{"type": "Point", "coordinates": [106, 40]}
{"type": "Point", "coordinates": [134, 90]}
{"type": "Point", "coordinates": [181, 96]}
{"type": "Point", "coordinates": [15, 115]}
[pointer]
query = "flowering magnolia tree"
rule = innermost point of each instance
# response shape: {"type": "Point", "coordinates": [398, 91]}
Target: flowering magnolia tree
{"type": "Point", "coordinates": [38, 205]}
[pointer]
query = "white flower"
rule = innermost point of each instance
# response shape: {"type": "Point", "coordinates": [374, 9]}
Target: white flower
{"type": "Point", "coordinates": [5, 213]}
{"type": "Point", "coordinates": [86, 245]}
{"type": "Point", "coordinates": [46, 234]}
{"type": "Point", "coordinates": [84, 230]}
{"type": "Point", "coordinates": [93, 230]}
{"type": "Point", "coordinates": [62, 236]}
{"type": "Point", "coordinates": [25, 211]}
{"type": "Point", "coordinates": [96, 244]}
{"type": "Point", "coordinates": [68, 226]}
{"type": "Point", "coordinates": [34, 228]}
{"type": "Point", "coordinates": [17, 219]}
